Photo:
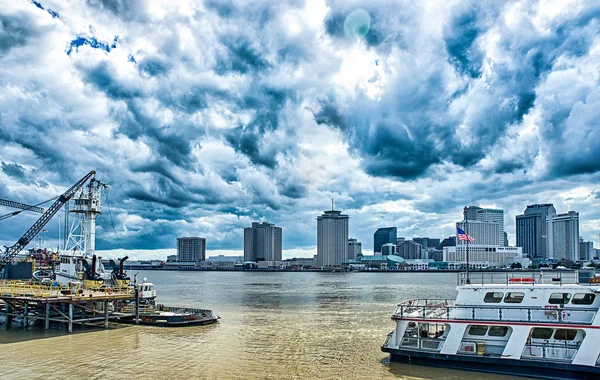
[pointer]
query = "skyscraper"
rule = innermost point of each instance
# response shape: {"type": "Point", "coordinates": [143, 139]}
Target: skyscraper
{"type": "Point", "coordinates": [586, 250]}
{"type": "Point", "coordinates": [354, 249]}
{"type": "Point", "coordinates": [427, 242]}
{"type": "Point", "coordinates": [262, 242]}
{"type": "Point", "coordinates": [191, 249]}
{"type": "Point", "coordinates": [332, 239]}
{"type": "Point", "coordinates": [484, 233]}
{"type": "Point", "coordinates": [383, 236]}
{"type": "Point", "coordinates": [410, 250]}
{"type": "Point", "coordinates": [532, 229]}
{"type": "Point", "coordinates": [563, 236]}
{"type": "Point", "coordinates": [487, 215]}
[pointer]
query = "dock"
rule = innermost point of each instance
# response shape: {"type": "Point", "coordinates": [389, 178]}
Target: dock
{"type": "Point", "coordinates": [66, 305]}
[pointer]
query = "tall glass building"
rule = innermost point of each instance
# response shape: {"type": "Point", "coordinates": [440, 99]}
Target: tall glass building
{"type": "Point", "coordinates": [532, 229]}
{"type": "Point", "coordinates": [383, 236]}
{"type": "Point", "coordinates": [262, 242]}
{"type": "Point", "coordinates": [332, 239]}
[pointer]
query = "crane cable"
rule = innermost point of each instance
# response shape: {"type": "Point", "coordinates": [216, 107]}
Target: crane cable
{"type": "Point", "coordinates": [111, 219]}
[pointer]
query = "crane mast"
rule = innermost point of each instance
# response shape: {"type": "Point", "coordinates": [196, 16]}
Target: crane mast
{"type": "Point", "coordinates": [14, 250]}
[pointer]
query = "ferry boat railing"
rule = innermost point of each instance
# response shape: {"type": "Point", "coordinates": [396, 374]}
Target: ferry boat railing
{"type": "Point", "coordinates": [433, 344]}
{"type": "Point", "coordinates": [550, 351]}
{"type": "Point", "coordinates": [527, 277]}
{"type": "Point", "coordinates": [447, 310]}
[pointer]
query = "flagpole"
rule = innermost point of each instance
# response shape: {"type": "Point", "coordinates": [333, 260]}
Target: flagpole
{"type": "Point", "coordinates": [467, 232]}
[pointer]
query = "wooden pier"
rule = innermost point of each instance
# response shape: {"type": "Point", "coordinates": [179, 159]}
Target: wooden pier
{"type": "Point", "coordinates": [65, 305]}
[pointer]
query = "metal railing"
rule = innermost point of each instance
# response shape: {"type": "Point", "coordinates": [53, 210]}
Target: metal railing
{"type": "Point", "coordinates": [518, 278]}
{"type": "Point", "coordinates": [550, 351]}
{"type": "Point", "coordinates": [448, 310]}
{"type": "Point", "coordinates": [430, 344]}
{"type": "Point", "coordinates": [26, 289]}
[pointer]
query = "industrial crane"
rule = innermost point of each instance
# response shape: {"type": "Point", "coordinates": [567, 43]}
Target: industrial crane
{"type": "Point", "coordinates": [14, 250]}
{"type": "Point", "coordinates": [22, 206]}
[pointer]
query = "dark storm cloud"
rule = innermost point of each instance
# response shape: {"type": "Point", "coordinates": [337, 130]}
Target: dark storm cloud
{"type": "Point", "coordinates": [15, 30]}
{"type": "Point", "coordinates": [101, 75]}
{"type": "Point", "coordinates": [459, 37]}
{"type": "Point", "coordinates": [242, 57]}
{"type": "Point", "coordinates": [13, 169]}
{"type": "Point", "coordinates": [267, 103]}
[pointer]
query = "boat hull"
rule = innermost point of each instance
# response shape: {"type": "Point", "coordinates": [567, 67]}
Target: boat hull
{"type": "Point", "coordinates": [521, 367]}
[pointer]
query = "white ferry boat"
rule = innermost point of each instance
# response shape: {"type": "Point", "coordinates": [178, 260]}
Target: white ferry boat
{"type": "Point", "coordinates": [528, 324]}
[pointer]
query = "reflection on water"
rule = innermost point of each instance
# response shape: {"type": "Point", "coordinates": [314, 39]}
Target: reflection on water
{"type": "Point", "coordinates": [274, 325]}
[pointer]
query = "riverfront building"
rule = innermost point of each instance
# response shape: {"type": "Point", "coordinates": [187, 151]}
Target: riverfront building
{"type": "Point", "coordinates": [262, 242]}
{"type": "Point", "coordinates": [388, 249]}
{"type": "Point", "coordinates": [332, 239]}
{"type": "Point", "coordinates": [427, 243]}
{"type": "Point", "coordinates": [495, 256]}
{"type": "Point", "coordinates": [486, 233]}
{"type": "Point", "coordinates": [563, 236]}
{"type": "Point", "coordinates": [586, 250]}
{"type": "Point", "coordinates": [532, 229]}
{"type": "Point", "coordinates": [486, 215]}
{"type": "Point", "coordinates": [191, 249]}
{"type": "Point", "coordinates": [410, 250]}
{"type": "Point", "coordinates": [354, 249]}
{"type": "Point", "coordinates": [383, 236]}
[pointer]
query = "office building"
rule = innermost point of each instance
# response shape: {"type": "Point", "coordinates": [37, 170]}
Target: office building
{"type": "Point", "coordinates": [532, 229]}
{"type": "Point", "coordinates": [383, 236]}
{"type": "Point", "coordinates": [262, 242]}
{"type": "Point", "coordinates": [427, 242]}
{"type": "Point", "coordinates": [586, 250]}
{"type": "Point", "coordinates": [486, 215]}
{"type": "Point", "coordinates": [388, 249]}
{"type": "Point", "coordinates": [332, 239]}
{"type": "Point", "coordinates": [506, 239]}
{"type": "Point", "coordinates": [399, 241]}
{"type": "Point", "coordinates": [191, 249]}
{"type": "Point", "coordinates": [410, 250]}
{"type": "Point", "coordinates": [354, 249]}
{"type": "Point", "coordinates": [563, 236]}
{"type": "Point", "coordinates": [447, 242]}
{"type": "Point", "coordinates": [484, 233]}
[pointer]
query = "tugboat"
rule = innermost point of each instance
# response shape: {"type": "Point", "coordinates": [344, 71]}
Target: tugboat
{"type": "Point", "coordinates": [526, 324]}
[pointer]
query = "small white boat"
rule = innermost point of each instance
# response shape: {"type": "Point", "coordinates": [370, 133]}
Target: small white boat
{"type": "Point", "coordinates": [525, 324]}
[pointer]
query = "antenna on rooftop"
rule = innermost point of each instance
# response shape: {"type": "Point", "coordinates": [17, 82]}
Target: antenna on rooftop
{"type": "Point", "coordinates": [331, 204]}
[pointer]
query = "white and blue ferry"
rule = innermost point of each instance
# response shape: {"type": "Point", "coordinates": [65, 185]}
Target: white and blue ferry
{"type": "Point", "coordinates": [539, 324]}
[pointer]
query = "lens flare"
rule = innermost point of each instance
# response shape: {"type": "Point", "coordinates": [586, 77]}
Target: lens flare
{"type": "Point", "coordinates": [357, 24]}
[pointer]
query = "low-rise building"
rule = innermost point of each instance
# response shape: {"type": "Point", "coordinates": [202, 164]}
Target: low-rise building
{"type": "Point", "coordinates": [496, 256]}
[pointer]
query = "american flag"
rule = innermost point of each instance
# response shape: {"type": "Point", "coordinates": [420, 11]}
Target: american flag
{"type": "Point", "coordinates": [462, 235]}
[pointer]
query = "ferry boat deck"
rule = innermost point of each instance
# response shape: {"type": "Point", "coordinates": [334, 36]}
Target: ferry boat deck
{"type": "Point", "coordinates": [531, 324]}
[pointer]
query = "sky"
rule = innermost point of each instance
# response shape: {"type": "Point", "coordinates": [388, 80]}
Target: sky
{"type": "Point", "coordinates": [204, 116]}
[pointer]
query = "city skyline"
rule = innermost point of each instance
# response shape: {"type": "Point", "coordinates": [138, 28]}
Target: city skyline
{"type": "Point", "coordinates": [201, 133]}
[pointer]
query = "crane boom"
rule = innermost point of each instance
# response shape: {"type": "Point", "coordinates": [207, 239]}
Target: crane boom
{"type": "Point", "coordinates": [12, 251]}
{"type": "Point", "coordinates": [22, 206]}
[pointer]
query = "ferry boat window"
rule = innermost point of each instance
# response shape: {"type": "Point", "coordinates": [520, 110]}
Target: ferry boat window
{"type": "Point", "coordinates": [541, 333]}
{"type": "Point", "coordinates": [478, 330]}
{"type": "Point", "coordinates": [559, 298]}
{"type": "Point", "coordinates": [493, 297]}
{"type": "Point", "coordinates": [498, 331]}
{"type": "Point", "coordinates": [514, 297]}
{"type": "Point", "coordinates": [583, 299]}
{"type": "Point", "coordinates": [565, 334]}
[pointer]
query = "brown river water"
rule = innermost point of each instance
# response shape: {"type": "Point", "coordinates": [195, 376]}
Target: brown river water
{"type": "Point", "coordinates": [273, 326]}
